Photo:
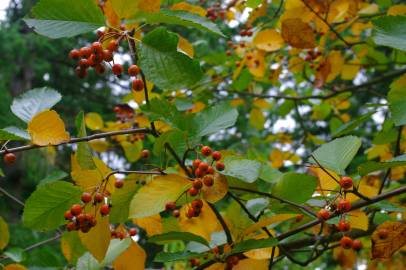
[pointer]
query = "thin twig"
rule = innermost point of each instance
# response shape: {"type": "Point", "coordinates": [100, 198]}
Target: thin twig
{"type": "Point", "coordinates": [5, 192]}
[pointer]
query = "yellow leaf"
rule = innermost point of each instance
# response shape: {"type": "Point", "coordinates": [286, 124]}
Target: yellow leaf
{"type": "Point", "coordinates": [268, 40]}
{"type": "Point", "coordinates": [268, 221]}
{"type": "Point", "coordinates": [112, 18]}
{"type": "Point", "coordinates": [217, 191]}
{"type": "Point", "coordinates": [15, 266]}
{"type": "Point", "coordinates": [149, 5]}
{"type": "Point", "coordinates": [262, 253]}
{"type": "Point", "coordinates": [345, 257]}
{"type": "Point", "coordinates": [338, 11]}
{"type": "Point", "coordinates": [152, 225]}
{"type": "Point", "coordinates": [217, 266]}
{"type": "Point", "coordinates": [71, 247]}
{"type": "Point", "coordinates": [298, 34]}
{"type": "Point", "coordinates": [260, 11]}
{"type": "Point", "coordinates": [204, 225]}
{"type": "Point", "coordinates": [197, 107]}
{"type": "Point", "coordinates": [252, 264]}
{"type": "Point", "coordinates": [94, 121]}
{"type": "Point", "coordinates": [296, 64]}
{"type": "Point", "coordinates": [336, 61]}
{"type": "Point", "coordinates": [139, 96]}
{"type": "Point", "coordinates": [349, 71]}
{"type": "Point", "coordinates": [256, 63]}
{"type": "Point", "coordinates": [99, 145]}
{"type": "Point", "coordinates": [397, 10]}
{"type": "Point", "coordinates": [276, 158]}
{"type": "Point", "coordinates": [257, 119]}
{"type": "Point", "coordinates": [262, 104]}
{"type": "Point", "coordinates": [364, 189]}
{"type": "Point", "coordinates": [185, 46]}
{"type": "Point", "coordinates": [4, 233]}
{"type": "Point", "coordinates": [127, 8]}
{"type": "Point", "coordinates": [151, 198]}
{"type": "Point", "coordinates": [237, 102]}
{"type": "Point", "coordinates": [387, 239]}
{"type": "Point", "coordinates": [133, 258]}
{"type": "Point", "coordinates": [90, 179]}
{"type": "Point", "coordinates": [97, 240]}
{"type": "Point", "coordinates": [325, 182]}
{"type": "Point", "coordinates": [132, 150]}
{"type": "Point", "coordinates": [379, 150]}
{"type": "Point", "coordinates": [47, 128]}
{"type": "Point", "coordinates": [367, 8]}
{"type": "Point", "coordinates": [358, 220]}
{"type": "Point", "coordinates": [190, 8]}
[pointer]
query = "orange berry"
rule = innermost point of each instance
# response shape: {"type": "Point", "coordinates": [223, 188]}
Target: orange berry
{"type": "Point", "coordinates": [343, 225]}
{"type": "Point", "coordinates": [346, 182]}
{"type": "Point", "coordinates": [356, 244]}
{"type": "Point", "coordinates": [134, 70]}
{"type": "Point", "coordinates": [346, 242]}
{"type": "Point", "coordinates": [343, 206]}
{"type": "Point", "coordinates": [323, 214]}
{"type": "Point", "coordinates": [206, 151]}
{"type": "Point", "coordinates": [9, 158]}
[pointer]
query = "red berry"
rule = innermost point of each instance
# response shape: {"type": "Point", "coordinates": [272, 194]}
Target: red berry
{"type": "Point", "coordinates": [107, 55]}
{"type": "Point", "coordinates": [74, 54]}
{"type": "Point", "coordinates": [197, 184]}
{"type": "Point", "coordinates": [228, 53]}
{"type": "Point", "coordinates": [119, 183]}
{"type": "Point", "coordinates": [190, 213]}
{"type": "Point", "coordinates": [104, 209]}
{"type": "Point", "coordinates": [137, 85]}
{"type": "Point", "coordinates": [197, 204]}
{"type": "Point", "coordinates": [81, 218]}
{"type": "Point", "coordinates": [199, 173]}
{"type": "Point", "coordinates": [98, 197]}
{"type": "Point", "coordinates": [85, 52]}
{"type": "Point", "coordinates": [216, 155]}
{"type": "Point", "coordinates": [343, 206]}
{"type": "Point", "coordinates": [117, 109]}
{"type": "Point", "coordinates": [356, 244]}
{"type": "Point", "coordinates": [86, 197]}
{"type": "Point", "coordinates": [76, 209]}
{"type": "Point", "coordinates": [81, 72]}
{"type": "Point", "coordinates": [145, 153]}
{"type": "Point", "coordinates": [9, 158]}
{"type": "Point", "coordinates": [71, 226]}
{"type": "Point", "coordinates": [203, 166]}
{"type": "Point", "coordinates": [68, 215]}
{"type": "Point", "coordinates": [193, 191]}
{"type": "Point", "coordinates": [343, 226]}
{"type": "Point", "coordinates": [210, 170]}
{"type": "Point", "coordinates": [323, 214]}
{"type": "Point", "coordinates": [84, 63]}
{"type": "Point", "coordinates": [194, 262]}
{"type": "Point", "coordinates": [208, 180]}
{"type": "Point", "coordinates": [132, 232]}
{"type": "Point", "coordinates": [170, 206]}
{"type": "Point", "coordinates": [196, 163]}
{"type": "Point", "coordinates": [100, 69]}
{"type": "Point", "coordinates": [299, 217]}
{"type": "Point", "coordinates": [206, 151]}
{"type": "Point", "coordinates": [113, 45]}
{"type": "Point", "coordinates": [176, 213]}
{"type": "Point", "coordinates": [97, 47]}
{"type": "Point", "coordinates": [134, 70]}
{"type": "Point", "coordinates": [346, 182]}
{"type": "Point", "coordinates": [232, 260]}
{"type": "Point", "coordinates": [346, 242]}
{"type": "Point", "coordinates": [219, 166]}
{"type": "Point", "coordinates": [117, 69]}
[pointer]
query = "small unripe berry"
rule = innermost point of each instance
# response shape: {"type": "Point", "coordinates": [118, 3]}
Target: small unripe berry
{"type": "Point", "coordinates": [132, 232]}
{"type": "Point", "coordinates": [137, 85]}
{"type": "Point", "coordinates": [193, 191]}
{"type": "Point", "coordinates": [145, 153]}
{"type": "Point", "coordinates": [216, 155]}
{"type": "Point", "coordinates": [113, 45]}
{"type": "Point", "coordinates": [346, 242]}
{"type": "Point", "coordinates": [356, 244]}
{"type": "Point", "coordinates": [117, 69]}
{"type": "Point", "coordinates": [86, 197]}
{"type": "Point", "coordinates": [208, 180]}
{"type": "Point", "coordinates": [9, 158]}
{"type": "Point", "coordinates": [104, 209]}
{"type": "Point", "coordinates": [346, 182]}
{"type": "Point", "coordinates": [74, 54]}
{"type": "Point", "coordinates": [343, 206]}
{"type": "Point", "coordinates": [170, 206]}
{"type": "Point", "coordinates": [76, 209]}
{"type": "Point", "coordinates": [323, 214]}
{"type": "Point", "coordinates": [343, 226]}
{"type": "Point", "coordinates": [134, 70]}
{"type": "Point", "coordinates": [197, 184]}
{"type": "Point", "coordinates": [206, 151]}
{"type": "Point", "coordinates": [219, 166]}
{"type": "Point", "coordinates": [119, 183]}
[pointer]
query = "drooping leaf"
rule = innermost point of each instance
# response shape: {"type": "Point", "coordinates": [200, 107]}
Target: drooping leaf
{"type": "Point", "coordinates": [84, 155]}
{"type": "Point", "coordinates": [289, 184]}
{"type": "Point", "coordinates": [47, 128]}
{"type": "Point", "coordinates": [397, 100]}
{"type": "Point", "coordinates": [151, 198]}
{"type": "Point", "coordinates": [246, 170]}
{"type": "Point", "coordinates": [45, 207]}
{"type": "Point", "coordinates": [131, 259]}
{"type": "Point", "coordinates": [163, 64]}
{"type": "Point", "coordinates": [385, 244]}
{"type": "Point", "coordinates": [13, 134]}
{"type": "Point", "coordinates": [390, 31]}
{"type": "Point", "coordinates": [251, 244]}
{"type": "Point", "coordinates": [372, 166]}
{"type": "Point", "coordinates": [337, 154]}
{"type": "Point", "coordinates": [171, 236]}
{"type": "Point", "coordinates": [353, 124]}
{"type": "Point", "coordinates": [122, 198]}
{"type": "Point", "coordinates": [59, 18]}
{"type": "Point", "coordinates": [33, 102]}
{"type": "Point", "coordinates": [298, 34]}
{"type": "Point", "coordinates": [4, 233]}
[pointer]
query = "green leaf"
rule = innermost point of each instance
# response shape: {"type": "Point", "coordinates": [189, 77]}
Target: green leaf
{"type": "Point", "coordinates": [53, 176]}
{"type": "Point", "coordinates": [4, 233]}
{"type": "Point", "coordinates": [179, 17]}
{"type": "Point", "coordinates": [246, 170]}
{"type": "Point", "coordinates": [214, 119]}
{"type": "Point", "coordinates": [164, 65]}
{"type": "Point", "coordinates": [115, 249]}
{"type": "Point", "coordinates": [125, 8]}
{"type": "Point", "coordinates": [253, 3]}
{"type": "Point", "coordinates": [390, 31]}
{"type": "Point", "coordinates": [132, 150]}
{"type": "Point", "coordinates": [397, 100]}
{"type": "Point", "coordinates": [45, 207]}
{"type": "Point", "coordinates": [388, 206]}
{"type": "Point", "coordinates": [16, 254]}
{"type": "Point", "coordinates": [160, 109]}
{"type": "Point", "coordinates": [251, 244]}
{"type": "Point", "coordinates": [269, 174]}
{"type": "Point", "coordinates": [372, 166]}
{"type": "Point", "coordinates": [173, 236]}
{"type": "Point", "coordinates": [176, 138]}
{"type": "Point", "coordinates": [84, 155]}
{"type": "Point", "coordinates": [60, 18]}
{"type": "Point", "coordinates": [34, 101]}
{"type": "Point", "coordinates": [337, 154]}
{"type": "Point", "coordinates": [14, 134]}
{"type": "Point", "coordinates": [176, 256]}
{"type": "Point", "coordinates": [353, 124]}
{"type": "Point", "coordinates": [295, 187]}
{"type": "Point", "coordinates": [88, 262]}
{"type": "Point", "coordinates": [122, 198]}
{"type": "Point", "coordinates": [70, 243]}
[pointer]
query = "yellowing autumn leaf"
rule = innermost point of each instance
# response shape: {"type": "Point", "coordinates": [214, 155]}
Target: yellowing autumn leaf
{"type": "Point", "coordinates": [397, 10]}
{"type": "Point", "coordinates": [358, 220]}
{"type": "Point", "coordinates": [258, 12]}
{"type": "Point", "coordinates": [325, 181]}
{"type": "Point", "coordinates": [252, 264]}
{"type": "Point", "coordinates": [364, 189]}
{"type": "Point", "coordinates": [276, 158]}
{"type": "Point", "coordinates": [185, 46]}
{"type": "Point", "coordinates": [113, 19]}
{"type": "Point", "coordinates": [190, 8]}
{"type": "Point", "coordinates": [387, 239]}
{"type": "Point", "coordinates": [14, 266]}
{"type": "Point", "coordinates": [99, 145]}
{"type": "Point", "coordinates": [296, 64]}
{"type": "Point", "coordinates": [268, 40]}
{"type": "Point", "coordinates": [47, 128]}
{"type": "Point", "coordinates": [97, 240]}
{"type": "Point", "coordinates": [127, 8]}
{"type": "Point", "coordinates": [345, 257]}
{"type": "Point", "coordinates": [336, 62]}
{"type": "Point", "coordinates": [257, 119]}
{"type": "Point", "coordinates": [4, 234]}
{"type": "Point", "coordinates": [217, 191]}
{"type": "Point", "coordinates": [298, 33]}
{"type": "Point", "coordinates": [151, 198]}
{"type": "Point", "coordinates": [133, 258]}
{"type": "Point", "coordinates": [262, 253]}
{"type": "Point", "coordinates": [152, 225]}
{"type": "Point", "coordinates": [94, 121]}
{"type": "Point", "coordinates": [204, 225]}
{"type": "Point", "coordinates": [256, 63]}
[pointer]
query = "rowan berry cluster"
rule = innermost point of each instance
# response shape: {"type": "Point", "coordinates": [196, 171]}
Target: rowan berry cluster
{"type": "Point", "coordinates": [122, 232]}
{"type": "Point", "coordinates": [215, 11]}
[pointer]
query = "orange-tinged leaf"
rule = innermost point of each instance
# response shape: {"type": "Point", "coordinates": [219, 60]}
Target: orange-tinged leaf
{"type": "Point", "coordinates": [133, 258]}
{"type": "Point", "coordinates": [276, 158]}
{"type": "Point", "coordinates": [113, 19]}
{"type": "Point", "coordinates": [364, 189]}
{"type": "Point", "coordinates": [268, 40]}
{"type": "Point", "coordinates": [256, 63]}
{"type": "Point", "coordinates": [345, 257]}
{"type": "Point", "coordinates": [197, 107]}
{"type": "Point", "coordinates": [149, 5]}
{"type": "Point", "coordinates": [325, 182]}
{"type": "Point", "coordinates": [252, 264]}
{"type": "Point", "coordinates": [358, 220]}
{"type": "Point", "coordinates": [387, 239]}
{"type": "Point", "coordinates": [185, 46]}
{"type": "Point", "coordinates": [97, 240]}
{"type": "Point", "coordinates": [336, 62]}
{"type": "Point", "coordinates": [217, 266]}
{"type": "Point", "coordinates": [298, 34]}
{"type": "Point", "coordinates": [94, 121]}
{"type": "Point", "coordinates": [15, 266]}
{"type": "Point", "coordinates": [260, 11]}
{"type": "Point", "coordinates": [47, 128]}
{"type": "Point", "coordinates": [262, 253]}
{"type": "Point", "coordinates": [397, 10]}
{"type": "Point", "coordinates": [190, 8]}
{"type": "Point", "coordinates": [4, 233]}
{"type": "Point", "coordinates": [152, 225]}
{"type": "Point", "coordinates": [217, 191]}
{"type": "Point", "coordinates": [203, 225]}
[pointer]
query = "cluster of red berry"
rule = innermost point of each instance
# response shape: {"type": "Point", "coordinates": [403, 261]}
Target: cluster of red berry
{"type": "Point", "coordinates": [79, 220]}
{"type": "Point", "coordinates": [215, 12]}
{"type": "Point", "coordinates": [246, 32]}
{"type": "Point", "coordinates": [9, 158]}
{"type": "Point", "coordinates": [311, 56]}
{"type": "Point", "coordinates": [121, 233]}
